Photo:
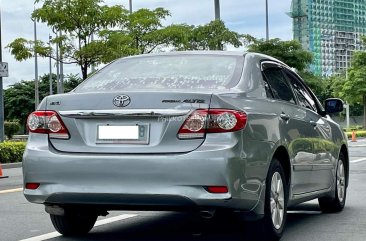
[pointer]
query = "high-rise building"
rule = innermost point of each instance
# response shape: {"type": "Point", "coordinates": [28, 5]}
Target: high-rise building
{"type": "Point", "coordinates": [331, 30]}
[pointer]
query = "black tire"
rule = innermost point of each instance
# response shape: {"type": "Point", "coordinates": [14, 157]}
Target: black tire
{"type": "Point", "coordinates": [73, 224]}
{"type": "Point", "coordinates": [265, 229]}
{"type": "Point", "coordinates": [336, 204]}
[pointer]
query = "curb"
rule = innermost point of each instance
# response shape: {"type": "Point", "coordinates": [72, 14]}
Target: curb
{"type": "Point", "coordinates": [11, 165]}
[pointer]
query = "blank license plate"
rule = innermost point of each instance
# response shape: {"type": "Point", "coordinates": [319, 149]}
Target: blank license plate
{"type": "Point", "coordinates": [123, 134]}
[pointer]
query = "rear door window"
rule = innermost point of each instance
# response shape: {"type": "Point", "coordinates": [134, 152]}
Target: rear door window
{"type": "Point", "coordinates": [303, 95]}
{"type": "Point", "coordinates": [277, 82]}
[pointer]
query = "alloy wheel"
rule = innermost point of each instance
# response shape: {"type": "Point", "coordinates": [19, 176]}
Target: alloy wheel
{"type": "Point", "coordinates": [341, 184]}
{"type": "Point", "coordinates": [277, 200]}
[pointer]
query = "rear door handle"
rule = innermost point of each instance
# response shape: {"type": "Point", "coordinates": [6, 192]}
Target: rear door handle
{"type": "Point", "coordinates": [285, 117]}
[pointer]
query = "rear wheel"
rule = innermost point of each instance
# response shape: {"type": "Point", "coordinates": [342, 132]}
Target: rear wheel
{"type": "Point", "coordinates": [336, 203]}
{"type": "Point", "coordinates": [272, 225]}
{"type": "Point", "coordinates": [73, 223]}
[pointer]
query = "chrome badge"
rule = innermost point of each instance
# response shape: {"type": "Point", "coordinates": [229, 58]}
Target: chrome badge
{"type": "Point", "coordinates": [121, 100]}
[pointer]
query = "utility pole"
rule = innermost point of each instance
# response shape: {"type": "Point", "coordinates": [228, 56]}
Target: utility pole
{"type": "Point", "coordinates": [347, 105]}
{"type": "Point", "coordinates": [36, 83]}
{"type": "Point", "coordinates": [57, 68]}
{"type": "Point", "coordinates": [267, 24]}
{"type": "Point", "coordinates": [130, 6]}
{"type": "Point", "coordinates": [1, 92]}
{"type": "Point", "coordinates": [217, 10]}
{"type": "Point", "coordinates": [93, 65]}
{"type": "Point", "coordinates": [61, 68]}
{"type": "Point", "coordinates": [50, 62]}
{"type": "Point", "coordinates": [346, 49]}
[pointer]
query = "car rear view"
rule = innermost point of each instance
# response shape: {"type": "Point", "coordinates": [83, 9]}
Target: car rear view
{"type": "Point", "coordinates": [143, 133]}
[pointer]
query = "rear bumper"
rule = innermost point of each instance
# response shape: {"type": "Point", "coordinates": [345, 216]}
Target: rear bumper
{"type": "Point", "coordinates": [142, 182]}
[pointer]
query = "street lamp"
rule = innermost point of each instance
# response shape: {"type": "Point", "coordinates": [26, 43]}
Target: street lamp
{"type": "Point", "coordinates": [36, 83]}
{"type": "Point", "coordinates": [267, 25]}
{"type": "Point", "coordinates": [130, 6]}
{"type": "Point", "coordinates": [217, 9]}
{"type": "Point", "coordinates": [50, 65]}
{"type": "Point", "coordinates": [1, 93]}
{"type": "Point", "coordinates": [347, 105]}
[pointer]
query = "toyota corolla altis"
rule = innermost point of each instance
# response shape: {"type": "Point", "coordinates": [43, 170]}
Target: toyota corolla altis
{"type": "Point", "coordinates": [203, 131]}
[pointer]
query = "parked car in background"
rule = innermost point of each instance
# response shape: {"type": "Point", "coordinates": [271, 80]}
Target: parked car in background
{"type": "Point", "coordinates": [203, 131]}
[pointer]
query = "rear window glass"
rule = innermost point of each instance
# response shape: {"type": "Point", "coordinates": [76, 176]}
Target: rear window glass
{"type": "Point", "coordinates": [167, 72]}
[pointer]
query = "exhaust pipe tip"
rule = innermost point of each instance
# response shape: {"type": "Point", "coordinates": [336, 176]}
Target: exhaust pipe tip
{"type": "Point", "coordinates": [55, 210]}
{"type": "Point", "coordinates": [207, 214]}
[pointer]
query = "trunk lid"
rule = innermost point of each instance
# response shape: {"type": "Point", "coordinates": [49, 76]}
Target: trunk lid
{"type": "Point", "coordinates": [146, 123]}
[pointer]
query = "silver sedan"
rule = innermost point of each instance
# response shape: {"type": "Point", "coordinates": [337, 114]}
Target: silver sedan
{"type": "Point", "coordinates": [196, 131]}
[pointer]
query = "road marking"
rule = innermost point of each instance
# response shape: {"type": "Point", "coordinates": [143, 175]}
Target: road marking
{"type": "Point", "coordinates": [357, 145]}
{"type": "Point", "coordinates": [11, 190]}
{"type": "Point", "coordinates": [359, 160]}
{"type": "Point", "coordinates": [98, 223]}
{"type": "Point", "coordinates": [303, 212]}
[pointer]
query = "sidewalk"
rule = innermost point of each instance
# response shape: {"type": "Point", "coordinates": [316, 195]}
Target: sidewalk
{"type": "Point", "coordinates": [360, 142]}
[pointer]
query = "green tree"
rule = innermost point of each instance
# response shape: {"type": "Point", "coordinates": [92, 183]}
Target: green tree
{"type": "Point", "coordinates": [19, 98]}
{"type": "Point", "coordinates": [354, 89]}
{"type": "Point", "coordinates": [78, 21]}
{"type": "Point", "coordinates": [289, 52]}
{"type": "Point", "coordinates": [213, 36]}
{"type": "Point", "coordinates": [142, 32]}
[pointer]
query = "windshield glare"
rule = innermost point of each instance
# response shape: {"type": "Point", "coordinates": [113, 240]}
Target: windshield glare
{"type": "Point", "coordinates": [167, 72]}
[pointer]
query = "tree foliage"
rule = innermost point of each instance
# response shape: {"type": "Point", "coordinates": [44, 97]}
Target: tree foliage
{"type": "Point", "coordinates": [142, 32]}
{"type": "Point", "coordinates": [354, 88]}
{"type": "Point", "coordinates": [289, 52]}
{"type": "Point", "coordinates": [212, 36]}
{"type": "Point", "coordinates": [77, 21]}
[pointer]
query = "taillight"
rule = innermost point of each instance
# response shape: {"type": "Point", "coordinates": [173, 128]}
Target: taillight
{"type": "Point", "coordinates": [32, 185]}
{"type": "Point", "coordinates": [47, 122]}
{"type": "Point", "coordinates": [217, 189]}
{"type": "Point", "coordinates": [205, 121]}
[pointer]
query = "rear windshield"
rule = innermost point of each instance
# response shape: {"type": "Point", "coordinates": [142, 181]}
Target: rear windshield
{"type": "Point", "coordinates": [167, 72]}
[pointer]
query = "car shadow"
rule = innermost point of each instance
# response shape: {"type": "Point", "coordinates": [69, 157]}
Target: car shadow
{"type": "Point", "coordinates": [168, 226]}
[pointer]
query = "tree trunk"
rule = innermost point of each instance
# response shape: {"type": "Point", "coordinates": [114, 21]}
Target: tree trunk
{"type": "Point", "coordinates": [364, 111]}
{"type": "Point", "coordinates": [84, 71]}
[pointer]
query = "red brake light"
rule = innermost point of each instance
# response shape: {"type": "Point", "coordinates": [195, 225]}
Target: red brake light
{"type": "Point", "coordinates": [212, 121]}
{"type": "Point", "coordinates": [47, 122]}
{"type": "Point", "coordinates": [217, 189]}
{"type": "Point", "coordinates": [32, 186]}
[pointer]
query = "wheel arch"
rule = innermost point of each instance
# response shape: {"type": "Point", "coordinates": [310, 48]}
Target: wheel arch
{"type": "Point", "coordinates": [281, 154]}
{"type": "Point", "coordinates": [344, 151]}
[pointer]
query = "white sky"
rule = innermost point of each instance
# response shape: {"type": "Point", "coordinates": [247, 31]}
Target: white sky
{"type": "Point", "coordinates": [243, 16]}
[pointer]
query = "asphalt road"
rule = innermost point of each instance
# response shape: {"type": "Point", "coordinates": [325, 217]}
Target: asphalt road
{"type": "Point", "coordinates": [20, 220]}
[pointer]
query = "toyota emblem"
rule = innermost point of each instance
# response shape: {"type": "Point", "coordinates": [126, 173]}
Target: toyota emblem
{"type": "Point", "coordinates": [121, 100]}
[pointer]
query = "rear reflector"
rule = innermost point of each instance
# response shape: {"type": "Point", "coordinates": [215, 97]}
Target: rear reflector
{"type": "Point", "coordinates": [217, 189]}
{"type": "Point", "coordinates": [47, 122]}
{"type": "Point", "coordinates": [32, 185]}
{"type": "Point", "coordinates": [205, 121]}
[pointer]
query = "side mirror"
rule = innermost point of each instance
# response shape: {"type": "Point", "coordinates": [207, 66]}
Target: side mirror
{"type": "Point", "coordinates": [333, 105]}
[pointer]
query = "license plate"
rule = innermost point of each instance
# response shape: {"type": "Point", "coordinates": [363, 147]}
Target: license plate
{"type": "Point", "coordinates": [134, 134]}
